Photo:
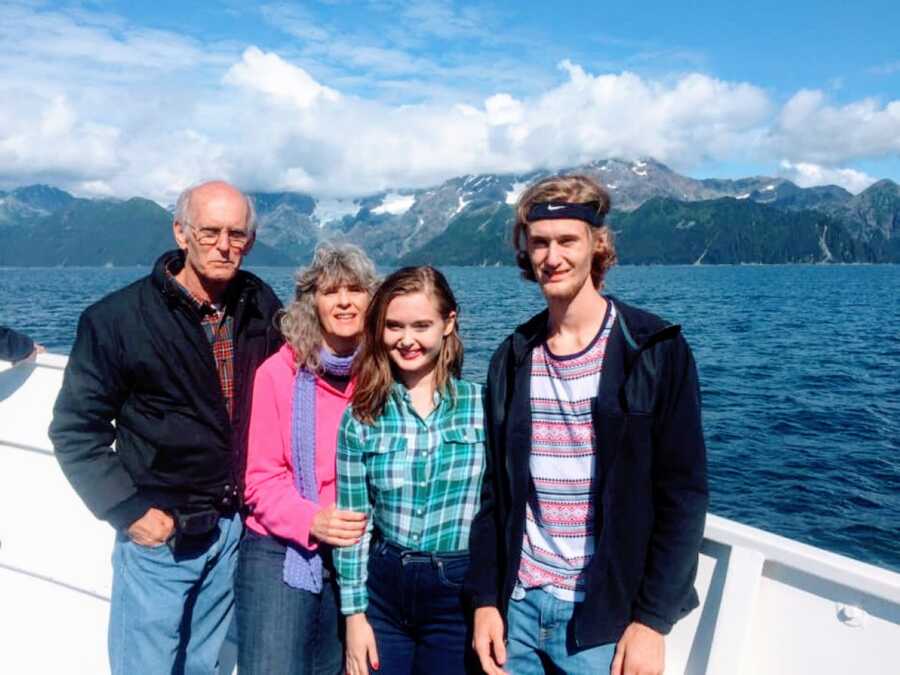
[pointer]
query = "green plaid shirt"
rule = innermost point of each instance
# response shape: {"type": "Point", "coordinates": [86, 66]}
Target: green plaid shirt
{"type": "Point", "coordinates": [418, 481]}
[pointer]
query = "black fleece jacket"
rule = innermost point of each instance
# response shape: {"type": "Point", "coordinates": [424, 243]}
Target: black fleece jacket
{"type": "Point", "coordinates": [650, 489]}
{"type": "Point", "coordinates": [142, 374]}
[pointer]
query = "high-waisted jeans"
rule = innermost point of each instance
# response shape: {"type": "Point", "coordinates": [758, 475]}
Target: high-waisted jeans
{"type": "Point", "coordinates": [416, 611]}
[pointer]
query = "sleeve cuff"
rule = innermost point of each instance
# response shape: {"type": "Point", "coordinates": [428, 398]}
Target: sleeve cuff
{"type": "Point", "coordinates": [125, 513]}
{"type": "Point", "coordinates": [305, 537]}
{"type": "Point", "coordinates": [654, 621]}
{"type": "Point", "coordinates": [22, 349]}
{"type": "Point", "coordinates": [476, 600]}
{"type": "Point", "coordinates": [354, 600]}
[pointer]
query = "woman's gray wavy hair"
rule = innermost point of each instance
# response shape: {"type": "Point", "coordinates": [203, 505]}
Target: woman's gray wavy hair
{"type": "Point", "coordinates": [332, 265]}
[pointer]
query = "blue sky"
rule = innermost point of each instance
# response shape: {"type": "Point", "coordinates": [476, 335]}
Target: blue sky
{"type": "Point", "coordinates": [344, 98]}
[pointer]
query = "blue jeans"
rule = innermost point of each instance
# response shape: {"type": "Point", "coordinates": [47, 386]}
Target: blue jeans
{"type": "Point", "coordinates": [170, 611]}
{"type": "Point", "coordinates": [284, 630]}
{"type": "Point", "coordinates": [541, 639]}
{"type": "Point", "coordinates": [416, 612]}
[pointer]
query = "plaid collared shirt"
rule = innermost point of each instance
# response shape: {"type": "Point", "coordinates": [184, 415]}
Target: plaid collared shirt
{"type": "Point", "coordinates": [218, 325]}
{"type": "Point", "coordinates": [418, 481]}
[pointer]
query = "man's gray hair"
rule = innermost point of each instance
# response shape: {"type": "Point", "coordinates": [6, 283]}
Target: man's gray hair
{"type": "Point", "coordinates": [183, 209]}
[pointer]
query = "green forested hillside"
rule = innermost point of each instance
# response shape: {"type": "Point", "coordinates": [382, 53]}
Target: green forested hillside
{"type": "Point", "coordinates": [102, 232]}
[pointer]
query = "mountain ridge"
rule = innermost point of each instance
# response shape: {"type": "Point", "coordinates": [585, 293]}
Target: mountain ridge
{"type": "Point", "coordinates": [101, 232]}
{"type": "Point", "coordinates": [467, 220]}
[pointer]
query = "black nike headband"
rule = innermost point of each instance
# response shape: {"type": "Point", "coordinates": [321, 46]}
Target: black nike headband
{"type": "Point", "coordinates": [589, 212]}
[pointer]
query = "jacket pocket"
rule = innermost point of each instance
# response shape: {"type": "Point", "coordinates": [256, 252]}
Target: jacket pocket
{"type": "Point", "coordinates": [462, 453]}
{"type": "Point", "coordinates": [387, 463]}
{"type": "Point", "coordinates": [158, 407]}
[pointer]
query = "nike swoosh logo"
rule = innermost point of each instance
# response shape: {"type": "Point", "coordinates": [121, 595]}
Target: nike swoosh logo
{"type": "Point", "coordinates": [551, 207]}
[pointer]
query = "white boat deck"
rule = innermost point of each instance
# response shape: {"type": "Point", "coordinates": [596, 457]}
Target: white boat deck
{"type": "Point", "coordinates": [769, 605]}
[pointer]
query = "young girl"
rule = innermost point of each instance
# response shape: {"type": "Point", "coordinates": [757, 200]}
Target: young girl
{"type": "Point", "coordinates": [411, 457]}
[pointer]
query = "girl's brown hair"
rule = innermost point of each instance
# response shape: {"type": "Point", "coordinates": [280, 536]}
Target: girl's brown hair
{"type": "Point", "coordinates": [372, 367]}
{"type": "Point", "coordinates": [574, 189]}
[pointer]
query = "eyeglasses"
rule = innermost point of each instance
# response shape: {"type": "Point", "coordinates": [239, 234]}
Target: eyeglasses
{"type": "Point", "coordinates": [208, 236]}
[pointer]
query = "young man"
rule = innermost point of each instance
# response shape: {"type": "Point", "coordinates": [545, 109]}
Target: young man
{"type": "Point", "coordinates": [164, 369]}
{"type": "Point", "coordinates": [595, 493]}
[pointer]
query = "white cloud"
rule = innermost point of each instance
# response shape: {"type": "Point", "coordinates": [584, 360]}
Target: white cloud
{"type": "Point", "coordinates": [441, 19]}
{"type": "Point", "coordinates": [592, 116]}
{"type": "Point", "coordinates": [99, 106]}
{"type": "Point", "coordinates": [47, 139]}
{"type": "Point", "coordinates": [269, 74]}
{"type": "Point", "coordinates": [888, 68]}
{"type": "Point", "coordinates": [503, 109]}
{"type": "Point", "coordinates": [811, 129]}
{"type": "Point", "coordinates": [96, 45]}
{"type": "Point", "coordinates": [409, 51]}
{"type": "Point", "coordinates": [806, 174]}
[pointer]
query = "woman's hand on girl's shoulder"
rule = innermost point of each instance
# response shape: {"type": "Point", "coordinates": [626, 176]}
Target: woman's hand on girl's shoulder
{"type": "Point", "coordinates": [360, 650]}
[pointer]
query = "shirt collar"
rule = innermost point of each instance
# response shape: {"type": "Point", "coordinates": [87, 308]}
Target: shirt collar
{"type": "Point", "coordinates": [401, 395]}
{"type": "Point", "coordinates": [200, 305]}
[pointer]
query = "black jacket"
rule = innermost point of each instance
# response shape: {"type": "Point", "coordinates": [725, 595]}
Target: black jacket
{"type": "Point", "coordinates": [14, 346]}
{"type": "Point", "coordinates": [141, 359]}
{"type": "Point", "coordinates": [651, 493]}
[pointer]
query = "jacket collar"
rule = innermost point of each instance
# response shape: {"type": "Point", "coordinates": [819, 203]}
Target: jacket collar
{"type": "Point", "coordinates": [639, 330]}
{"type": "Point", "coordinates": [529, 335]}
{"type": "Point", "coordinates": [243, 283]}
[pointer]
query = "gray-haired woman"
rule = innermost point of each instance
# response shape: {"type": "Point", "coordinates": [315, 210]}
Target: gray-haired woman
{"type": "Point", "coordinates": [288, 618]}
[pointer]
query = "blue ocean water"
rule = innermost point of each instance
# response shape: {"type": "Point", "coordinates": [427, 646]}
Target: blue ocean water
{"type": "Point", "coordinates": [798, 364]}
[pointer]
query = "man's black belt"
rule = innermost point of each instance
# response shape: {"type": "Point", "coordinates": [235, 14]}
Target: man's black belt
{"type": "Point", "coordinates": [194, 523]}
{"type": "Point", "coordinates": [198, 522]}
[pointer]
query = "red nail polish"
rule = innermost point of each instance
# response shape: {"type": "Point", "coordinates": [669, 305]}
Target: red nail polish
{"type": "Point", "coordinates": [375, 666]}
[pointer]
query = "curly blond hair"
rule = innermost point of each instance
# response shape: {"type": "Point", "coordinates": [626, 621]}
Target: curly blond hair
{"type": "Point", "coordinates": [574, 189]}
{"type": "Point", "coordinates": [332, 265]}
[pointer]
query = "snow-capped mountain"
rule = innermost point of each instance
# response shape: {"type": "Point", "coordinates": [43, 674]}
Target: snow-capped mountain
{"type": "Point", "coordinates": [466, 220]}
{"type": "Point", "coordinates": [658, 215]}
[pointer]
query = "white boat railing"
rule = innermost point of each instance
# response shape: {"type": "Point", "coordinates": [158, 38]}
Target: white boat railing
{"type": "Point", "coordinates": [769, 605]}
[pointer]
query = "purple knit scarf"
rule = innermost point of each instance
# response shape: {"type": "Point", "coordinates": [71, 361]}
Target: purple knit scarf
{"type": "Point", "coordinates": [303, 568]}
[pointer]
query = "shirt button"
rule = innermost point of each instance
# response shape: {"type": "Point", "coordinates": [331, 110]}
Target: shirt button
{"type": "Point", "coordinates": [423, 483]}
{"type": "Point", "coordinates": [419, 512]}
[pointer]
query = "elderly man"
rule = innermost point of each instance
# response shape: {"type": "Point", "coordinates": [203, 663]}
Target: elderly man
{"type": "Point", "coordinates": [163, 368]}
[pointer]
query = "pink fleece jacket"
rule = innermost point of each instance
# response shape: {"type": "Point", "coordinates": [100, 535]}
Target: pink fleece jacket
{"type": "Point", "coordinates": [278, 509]}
